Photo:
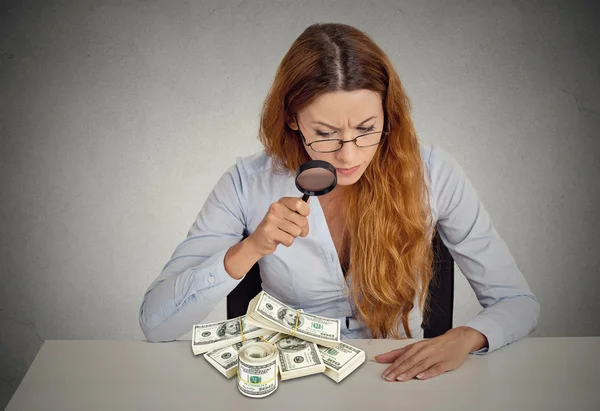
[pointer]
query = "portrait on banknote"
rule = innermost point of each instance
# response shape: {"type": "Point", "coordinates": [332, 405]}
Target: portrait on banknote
{"type": "Point", "coordinates": [288, 317]}
{"type": "Point", "coordinates": [229, 329]}
{"type": "Point", "coordinates": [290, 344]}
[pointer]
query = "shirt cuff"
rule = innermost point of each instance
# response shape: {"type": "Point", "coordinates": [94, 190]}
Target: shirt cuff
{"type": "Point", "coordinates": [214, 282]}
{"type": "Point", "coordinates": [491, 330]}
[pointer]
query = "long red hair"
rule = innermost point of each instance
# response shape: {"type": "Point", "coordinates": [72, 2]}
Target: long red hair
{"type": "Point", "coordinates": [388, 207]}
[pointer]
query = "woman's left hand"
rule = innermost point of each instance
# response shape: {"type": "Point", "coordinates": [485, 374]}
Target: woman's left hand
{"type": "Point", "coordinates": [431, 357]}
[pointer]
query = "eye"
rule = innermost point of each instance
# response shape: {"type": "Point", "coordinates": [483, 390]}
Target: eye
{"type": "Point", "coordinates": [324, 134]}
{"type": "Point", "coordinates": [366, 129]}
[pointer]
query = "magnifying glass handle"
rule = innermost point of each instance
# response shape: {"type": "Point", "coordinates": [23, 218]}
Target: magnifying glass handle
{"type": "Point", "coordinates": [305, 197]}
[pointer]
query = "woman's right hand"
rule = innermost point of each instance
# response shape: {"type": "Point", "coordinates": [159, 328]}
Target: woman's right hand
{"type": "Point", "coordinates": [285, 220]}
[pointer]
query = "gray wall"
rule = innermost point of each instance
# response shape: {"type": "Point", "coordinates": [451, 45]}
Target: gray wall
{"type": "Point", "coordinates": [116, 119]}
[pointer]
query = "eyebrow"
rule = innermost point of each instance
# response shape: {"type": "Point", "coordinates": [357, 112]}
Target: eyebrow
{"type": "Point", "coordinates": [335, 128]}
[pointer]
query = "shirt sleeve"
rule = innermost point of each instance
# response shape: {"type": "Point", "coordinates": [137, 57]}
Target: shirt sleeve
{"type": "Point", "coordinates": [510, 310]}
{"type": "Point", "coordinates": [194, 280]}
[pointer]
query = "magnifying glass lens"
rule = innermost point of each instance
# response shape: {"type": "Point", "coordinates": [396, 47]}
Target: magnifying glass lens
{"type": "Point", "coordinates": [315, 178]}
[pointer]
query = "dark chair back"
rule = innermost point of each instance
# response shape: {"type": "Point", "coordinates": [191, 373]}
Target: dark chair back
{"type": "Point", "coordinates": [436, 322]}
{"type": "Point", "coordinates": [438, 319]}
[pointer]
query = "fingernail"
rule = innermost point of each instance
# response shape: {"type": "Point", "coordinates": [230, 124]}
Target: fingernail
{"type": "Point", "coordinates": [401, 377]}
{"type": "Point", "coordinates": [389, 378]}
{"type": "Point", "coordinates": [374, 359]}
{"type": "Point", "coordinates": [421, 375]}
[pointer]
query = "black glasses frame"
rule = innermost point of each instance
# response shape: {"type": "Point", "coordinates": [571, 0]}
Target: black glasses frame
{"type": "Point", "coordinates": [384, 134]}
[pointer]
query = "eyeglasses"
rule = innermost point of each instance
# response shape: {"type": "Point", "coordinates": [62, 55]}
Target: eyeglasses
{"type": "Point", "coordinates": [369, 139]}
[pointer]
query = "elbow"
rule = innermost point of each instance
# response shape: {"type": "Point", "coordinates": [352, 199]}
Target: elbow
{"type": "Point", "coordinates": [154, 335]}
{"type": "Point", "coordinates": [529, 310]}
{"type": "Point", "coordinates": [523, 308]}
{"type": "Point", "coordinates": [146, 330]}
{"type": "Point", "coordinates": [535, 311]}
{"type": "Point", "coordinates": [151, 332]}
{"type": "Point", "coordinates": [166, 320]}
{"type": "Point", "coordinates": [150, 336]}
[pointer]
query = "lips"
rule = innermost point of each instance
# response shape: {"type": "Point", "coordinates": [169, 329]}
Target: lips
{"type": "Point", "coordinates": [347, 171]}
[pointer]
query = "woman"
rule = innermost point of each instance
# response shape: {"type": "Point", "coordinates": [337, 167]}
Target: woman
{"type": "Point", "coordinates": [361, 253]}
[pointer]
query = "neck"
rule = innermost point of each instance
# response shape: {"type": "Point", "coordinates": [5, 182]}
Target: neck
{"type": "Point", "coordinates": [334, 194]}
{"type": "Point", "coordinates": [333, 198]}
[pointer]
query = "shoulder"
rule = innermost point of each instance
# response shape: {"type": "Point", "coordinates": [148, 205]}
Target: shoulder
{"type": "Point", "coordinates": [437, 160]}
{"type": "Point", "coordinates": [252, 164]}
{"type": "Point", "coordinates": [247, 168]}
{"type": "Point", "coordinates": [443, 176]}
{"type": "Point", "coordinates": [238, 177]}
{"type": "Point", "coordinates": [258, 166]}
{"type": "Point", "coordinates": [258, 183]}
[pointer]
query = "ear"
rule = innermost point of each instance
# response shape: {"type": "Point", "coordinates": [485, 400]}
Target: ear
{"type": "Point", "coordinates": [291, 122]}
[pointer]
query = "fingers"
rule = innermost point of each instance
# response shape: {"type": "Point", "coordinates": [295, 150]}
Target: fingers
{"type": "Point", "coordinates": [287, 216]}
{"type": "Point", "coordinates": [285, 220]}
{"type": "Point", "coordinates": [293, 228]}
{"type": "Point", "coordinates": [391, 356]}
{"type": "Point", "coordinates": [307, 199]}
{"type": "Point", "coordinates": [284, 238]}
{"type": "Point", "coordinates": [409, 371]}
{"type": "Point", "coordinates": [298, 221]}
{"type": "Point", "coordinates": [296, 204]}
{"type": "Point", "coordinates": [434, 371]}
{"type": "Point", "coordinates": [413, 360]}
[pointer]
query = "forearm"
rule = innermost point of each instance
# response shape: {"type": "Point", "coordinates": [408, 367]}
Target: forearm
{"type": "Point", "coordinates": [507, 321]}
{"type": "Point", "coordinates": [178, 300]}
{"type": "Point", "coordinates": [162, 319]}
{"type": "Point", "coordinates": [240, 258]}
{"type": "Point", "coordinates": [474, 339]}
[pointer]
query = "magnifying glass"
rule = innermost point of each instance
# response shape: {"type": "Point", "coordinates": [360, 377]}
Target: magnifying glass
{"type": "Point", "coordinates": [315, 178]}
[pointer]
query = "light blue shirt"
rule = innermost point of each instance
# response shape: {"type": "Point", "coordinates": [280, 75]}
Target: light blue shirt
{"type": "Point", "coordinates": [308, 274]}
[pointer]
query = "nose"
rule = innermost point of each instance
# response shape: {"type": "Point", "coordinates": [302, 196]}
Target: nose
{"type": "Point", "coordinates": [349, 151]}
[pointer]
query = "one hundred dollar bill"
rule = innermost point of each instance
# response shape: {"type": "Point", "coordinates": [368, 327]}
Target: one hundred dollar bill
{"type": "Point", "coordinates": [298, 358]}
{"type": "Point", "coordinates": [267, 312]}
{"type": "Point", "coordinates": [225, 359]}
{"type": "Point", "coordinates": [257, 369]}
{"type": "Point", "coordinates": [341, 360]}
{"type": "Point", "coordinates": [207, 337]}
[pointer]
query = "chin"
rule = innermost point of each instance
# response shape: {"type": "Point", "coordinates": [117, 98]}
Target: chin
{"type": "Point", "coordinates": [347, 180]}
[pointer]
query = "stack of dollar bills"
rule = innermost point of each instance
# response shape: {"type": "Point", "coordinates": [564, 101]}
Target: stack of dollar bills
{"type": "Point", "coordinates": [341, 360]}
{"type": "Point", "coordinates": [225, 359]}
{"type": "Point", "coordinates": [298, 358]}
{"type": "Point", "coordinates": [207, 337]}
{"type": "Point", "coordinates": [307, 344]}
{"type": "Point", "coordinates": [265, 311]}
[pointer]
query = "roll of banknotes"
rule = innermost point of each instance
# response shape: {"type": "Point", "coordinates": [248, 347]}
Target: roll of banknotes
{"type": "Point", "coordinates": [257, 369]}
{"type": "Point", "coordinates": [225, 359]}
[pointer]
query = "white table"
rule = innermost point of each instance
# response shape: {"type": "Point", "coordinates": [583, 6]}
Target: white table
{"type": "Point", "coordinates": [532, 374]}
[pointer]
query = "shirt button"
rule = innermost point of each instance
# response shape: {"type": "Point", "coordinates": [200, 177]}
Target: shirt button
{"type": "Point", "coordinates": [211, 279]}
